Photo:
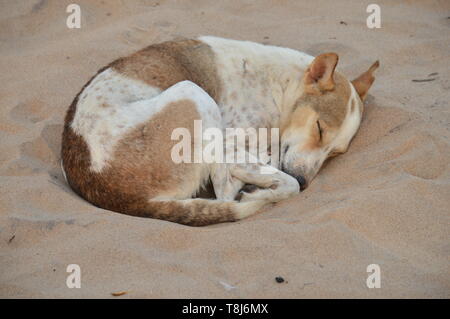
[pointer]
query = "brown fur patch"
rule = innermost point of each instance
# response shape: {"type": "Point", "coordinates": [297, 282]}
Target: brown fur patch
{"type": "Point", "coordinates": [143, 157]}
{"type": "Point", "coordinates": [363, 83]}
{"type": "Point", "coordinates": [197, 212]}
{"type": "Point", "coordinates": [137, 172]}
{"type": "Point", "coordinates": [165, 64]}
{"type": "Point", "coordinates": [142, 168]}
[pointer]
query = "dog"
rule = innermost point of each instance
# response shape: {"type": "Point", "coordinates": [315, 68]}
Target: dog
{"type": "Point", "coordinates": [117, 139]}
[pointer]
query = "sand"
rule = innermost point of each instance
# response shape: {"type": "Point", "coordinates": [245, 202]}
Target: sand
{"type": "Point", "coordinates": [386, 201]}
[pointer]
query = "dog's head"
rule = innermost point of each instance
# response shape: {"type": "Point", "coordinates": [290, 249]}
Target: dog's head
{"type": "Point", "coordinates": [324, 119]}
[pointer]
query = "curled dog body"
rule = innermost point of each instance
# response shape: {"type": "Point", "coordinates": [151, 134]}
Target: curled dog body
{"type": "Point", "coordinates": [117, 145]}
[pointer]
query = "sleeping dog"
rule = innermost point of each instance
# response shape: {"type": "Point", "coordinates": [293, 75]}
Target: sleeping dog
{"type": "Point", "coordinates": [117, 145]}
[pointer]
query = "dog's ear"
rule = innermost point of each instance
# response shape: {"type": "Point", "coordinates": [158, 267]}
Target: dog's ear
{"type": "Point", "coordinates": [319, 75]}
{"type": "Point", "coordinates": [363, 82]}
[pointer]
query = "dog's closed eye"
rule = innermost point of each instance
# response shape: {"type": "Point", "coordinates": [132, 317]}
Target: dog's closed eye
{"type": "Point", "coordinates": [320, 130]}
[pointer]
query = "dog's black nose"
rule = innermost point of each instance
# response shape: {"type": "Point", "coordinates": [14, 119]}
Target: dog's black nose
{"type": "Point", "coordinates": [302, 182]}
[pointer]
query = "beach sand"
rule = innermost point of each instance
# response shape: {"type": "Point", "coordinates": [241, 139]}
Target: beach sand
{"type": "Point", "coordinates": [385, 202]}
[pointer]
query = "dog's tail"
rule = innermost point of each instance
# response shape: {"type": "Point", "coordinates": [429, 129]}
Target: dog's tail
{"type": "Point", "coordinates": [198, 212]}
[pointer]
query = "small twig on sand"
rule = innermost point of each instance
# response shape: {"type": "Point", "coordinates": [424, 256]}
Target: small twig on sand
{"type": "Point", "coordinates": [11, 239]}
{"type": "Point", "coordinates": [117, 294]}
{"type": "Point", "coordinates": [423, 80]}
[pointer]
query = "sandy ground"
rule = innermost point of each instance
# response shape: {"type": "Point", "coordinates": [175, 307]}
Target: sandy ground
{"type": "Point", "coordinates": [385, 202]}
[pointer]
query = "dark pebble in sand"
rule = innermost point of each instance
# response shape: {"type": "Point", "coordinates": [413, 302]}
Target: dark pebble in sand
{"type": "Point", "coordinates": [279, 279]}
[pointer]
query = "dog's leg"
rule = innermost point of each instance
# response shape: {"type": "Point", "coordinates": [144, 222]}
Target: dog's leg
{"type": "Point", "coordinates": [175, 205]}
{"type": "Point", "coordinates": [226, 186]}
{"type": "Point", "coordinates": [274, 184]}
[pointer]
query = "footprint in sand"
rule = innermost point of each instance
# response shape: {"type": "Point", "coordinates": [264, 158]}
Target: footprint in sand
{"type": "Point", "coordinates": [52, 134]}
{"type": "Point", "coordinates": [140, 36]}
{"type": "Point", "coordinates": [40, 4]}
{"type": "Point", "coordinates": [38, 155]}
{"type": "Point", "coordinates": [29, 112]}
{"type": "Point", "coordinates": [424, 156]}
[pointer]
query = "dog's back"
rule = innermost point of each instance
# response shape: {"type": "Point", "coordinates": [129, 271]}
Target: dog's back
{"type": "Point", "coordinates": [116, 144]}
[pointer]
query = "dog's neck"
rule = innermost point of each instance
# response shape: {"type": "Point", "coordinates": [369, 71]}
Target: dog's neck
{"type": "Point", "coordinates": [286, 87]}
{"type": "Point", "coordinates": [265, 75]}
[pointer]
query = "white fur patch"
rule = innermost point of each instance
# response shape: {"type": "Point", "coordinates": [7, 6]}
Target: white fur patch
{"type": "Point", "coordinates": [64, 172]}
{"type": "Point", "coordinates": [107, 108]}
{"type": "Point", "coordinates": [113, 104]}
{"type": "Point", "coordinates": [350, 124]}
{"type": "Point", "coordinates": [255, 78]}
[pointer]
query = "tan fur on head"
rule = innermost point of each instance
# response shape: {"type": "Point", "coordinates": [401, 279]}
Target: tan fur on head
{"type": "Point", "coordinates": [325, 117]}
